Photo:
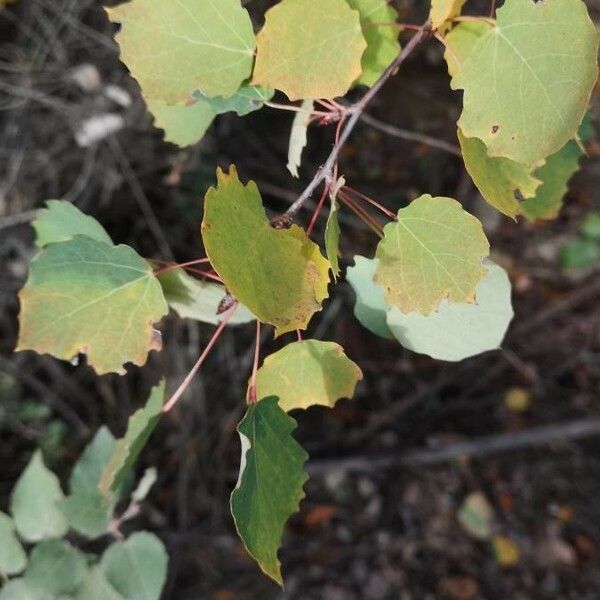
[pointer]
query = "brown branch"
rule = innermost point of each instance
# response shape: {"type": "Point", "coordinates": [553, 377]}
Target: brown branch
{"type": "Point", "coordinates": [325, 173]}
{"type": "Point", "coordinates": [484, 446]}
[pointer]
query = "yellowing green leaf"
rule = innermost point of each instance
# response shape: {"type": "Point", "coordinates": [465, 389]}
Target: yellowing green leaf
{"type": "Point", "coordinates": [196, 299]}
{"type": "Point", "coordinates": [61, 221]}
{"type": "Point", "coordinates": [33, 503]}
{"type": "Point", "coordinates": [87, 296]}
{"type": "Point", "coordinates": [456, 331]}
{"type": "Point", "coordinates": [377, 20]}
{"type": "Point", "coordinates": [280, 275]}
{"type": "Point", "coordinates": [460, 42]}
{"type": "Point", "coordinates": [433, 251]}
{"type": "Point", "coordinates": [555, 175]}
{"type": "Point", "coordinates": [139, 428]}
{"type": "Point", "coordinates": [528, 80]}
{"type": "Point", "coordinates": [269, 487]}
{"type": "Point", "coordinates": [308, 373]}
{"type": "Point", "coordinates": [332, 239]}
{"type": "Point", "coordinates": [173, 48]}
{"type": "Point", "coordinates": [501, 181]}
{"type": "Point", "coordinates": [370, 307]}
{"type": "Point", "coordinates": [298, 136]}
{"type": "Point", "coordinates": [309, 49]}
{"type": "Point", "coordinates": [443, 11]}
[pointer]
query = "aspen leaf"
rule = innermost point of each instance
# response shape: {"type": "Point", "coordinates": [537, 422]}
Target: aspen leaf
{"type": "Point", "coordinates": [174, 48]}
{"type": "Point", "coordinates": [270, 483]}
{"type": "Point", "coordinates": [280, 275]}
{"type": "Point", "coordinates": [87, 296]}
{"type": "Point", "coordinates": [370, 307]}
{"type": "Point", "coordinates": [298, 137]}
{"type": "Point", "coordinates": [246, 100]}
{"type": "Point", "coordinates": [88, 469]}
{"type": "Point", "coordinates": [139, 428]}
{"type": "Point", "coordinates": [196, 299]}
{"type": "Point", "coordinates": [456, 331]}
{"type": "Point", "coordinates": [433, 251]}
{"type": "Point", "coordinates": [528, 80]}
{"type": "Point", "coordinates": [12, 555]}
{"type": "Point", "coordinates": [307, 373]}
{"type": "Point", "coordinates": [61, 221]}
{"type": "Point", "coordinates": [501, 181]}
{"type": "Point", "coordinates": [309, 49]}
{"type": "Point", "coordinates": [33, 503]}
{"type": "Point", "coordinates": [96, 587]}
{"type": "Point", "coordinates": [377, 18]}
{"type": "Point", "coordinates": [460, 42]}
{"type": "Point", "coordinates": [332, 239]}
{"type": "Point", "coordinates": [443, 11]}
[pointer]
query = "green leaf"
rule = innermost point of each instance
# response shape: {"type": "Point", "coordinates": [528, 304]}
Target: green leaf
{"type": "Point", "coordinates": [528, 80]}
{"type": "Point", "coordinates": [87, 296]}
{"type": "Point", "coordinates": [377, 19]}
{"type": "Point", "coordinates": [174, 48]}
{"type": "Point", "coordinates": [88, 512]}
{"type": "Point", "coordinates": [370, 307]}
{"type": "Point", "coordinates": [196, 299]}
{"type": "Point", "coordinates": [139, 428]}
{"type": "Point", "coordinates": [246, 100]}
{"type": "Point", "coordinates": [591, 225]}
{"type": "Point", "coordinates": [443, 11]}
{"type": "Point", "coordinates": [555, 175]}
{"type": "Point", "coordinates": [332, 239]}
{"type": "Point", "coordinates": [12, 556]}
{"type": "Point", "coordinates": [298, 136]}
{"type": "Point", "coordinates": [460, 42]}
{"type": "Point", "coordinates": [279, 274]}
{"type": "Point", "coordinates": [183, 124]}
{"type": "Point", "coordinates": [61, 221]}
{"type": "Point", "coordinates": [433, 251]}
{"type": "Point", "coordinates": [88, 469]}
{"type": "Point", "coordinates": [96, 587]}
{"type": "Point", "coordinates": [458, 330]}
{"type": "Point", "coordinates": [579, 253]}
{"type": "Point", "coordinates": [501, 181]}
{"type": "Point", "coordinates": [270, 484]}
{"type": "Point", "coordinates": [308, 373]}
{"type": "Point", "coordinates": [33, 503]}
{"type": "Point", "coordinates": [186, 124]}
{"type": "Point", "coordinates": [309, 51]}
{"type": "Point", "coordinates": [55, 568]}
{"type": "Point", "coordinates": [137, 567]}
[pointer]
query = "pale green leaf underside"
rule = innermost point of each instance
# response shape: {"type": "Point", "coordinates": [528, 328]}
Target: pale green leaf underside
{"type": "Point", "coordinates": [33, 503]}
{"type": "Point", "coordinates": [193, 298]}
{"type": "Point", "coordinates": [528, 80]}
{"type": "Point", "coordinates": [96, 587]}
{"type": "Point", "coordinates": [270, 485]}
{"type": "Point", "coordinates": [173, 47]}
{"type": "Point", "coordinates": [308, 373]}
{"type": "Point", "coordinates": [501, 181]}
{"type": "Point", "coordinates": [87, 296]}
{"type": "Point", "coordinates": [370, 306]}
{"type": "Point", "coordinates": [280, 275]}
{"type": "Point", "coordinates": [309, 49]}
{"type": "Point", "coordinates": [139, 428]}
{"type": "Point", "coordinates": [433, 251]}
{"type": "Point", "coordinates": [88, 469]}
{"type": "Point", "coordinates": [87, 512]}
{"type": "Point", "coordinates": [298, 136]}
{"type": "Point", "coordinates": [61, 221]}
{"type": "Point", "coordinates": [12, 555]}
{"type": "Point", "coordinates": [376, 17]}
{"type": "Point", "coordinates": [459, 330]}
{"type": "Point", "coordinates": [137, 567]}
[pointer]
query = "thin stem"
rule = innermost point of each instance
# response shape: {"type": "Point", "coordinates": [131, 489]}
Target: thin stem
{"type": "Point", "coordinates": [325, 172]}
{"type": "Point", "coordinates": [299, 334]}
{"type": "Point", "coordinates": [297, 109]}
{"type": "Point", "coordinates": [407, 26]}
{"type": "Point", "coordinates": [186, 382]}
{"type": "Point", "coordinates": [362, 214]}
{"type": "Point", "coordinates": [317, 211]}
{"type": "Point", "coordinates": [492, 8]}
{"type": "Point", "coordinates": [372, 202]}
{"type": "Point", "coordinates": [252, 398]}
{"type": "Point", "coordinates": [206, 274]}
{"type": "Point", "coordinates": [172, 266]}
{"type": "Point", "coordinates": [475, 19]}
